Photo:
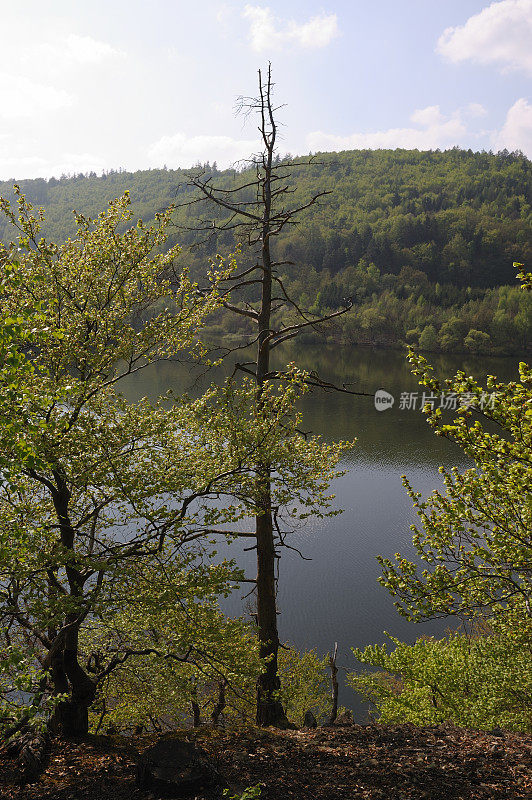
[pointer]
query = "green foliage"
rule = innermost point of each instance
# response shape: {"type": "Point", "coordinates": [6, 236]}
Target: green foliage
{"type": "Point", "coordinates": [428, 339]}
{"type": "Point", "coordinates": [398, 227]}
{"type": "Point", "coordinates": [163, 642]}
{"type": "Point", "coordinates": [111, 497]}
{"type": "Point", "coordinates": [251, 793]}
{"type": "Point", "coordinates": [304, 684]}
{"type": "Point", "coordinates": [480, 680]}
{"type": "Point", "coordinates": [93, 496]}
{"type": "Point", "coordinates": [524, 277]}
{"type": "Point", "coordinates": [460, 217]}
{"type": "Point", "coordinates": [22, 681]}
{"type": "Point", "coordinates": [24, 699]}
{"type": "Point", "coordinates": [474, 538]}
{"type": "Point", "coordinates": [21, 329]}
{"type": "Point", "coordinates": [151, 687]}
{"type": "Point", "coordinates": [242, 426]}
{"type": "Point", "coordinates": [477, 341]}
{"type": "Point", "coordinates": [474, 544]}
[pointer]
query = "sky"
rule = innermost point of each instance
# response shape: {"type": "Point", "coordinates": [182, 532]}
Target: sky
{"type": "Point", "coordinates": [135, 84]}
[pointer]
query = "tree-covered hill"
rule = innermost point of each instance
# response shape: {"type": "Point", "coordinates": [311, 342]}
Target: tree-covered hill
{"type": "Point", "coordinates": [420, 240]}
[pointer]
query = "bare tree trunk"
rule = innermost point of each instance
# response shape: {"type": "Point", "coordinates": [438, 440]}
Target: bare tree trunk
{"type": "Point", "coordinates": [334, 685]}
{"type": "Point", "coordinates": [269, 707]}
{"type": "Point", "coordinates": [194, 705]}
{"type": "Point", "coordinates": [220, 704]}
{"type": "Point", "coordinates": [196, 715]}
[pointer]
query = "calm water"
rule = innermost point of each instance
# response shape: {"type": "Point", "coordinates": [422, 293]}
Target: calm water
{"type": "Point", "coordinates": [335, 596]}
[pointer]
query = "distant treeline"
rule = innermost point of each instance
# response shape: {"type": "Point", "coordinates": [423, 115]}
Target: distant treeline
{"type": "Point", "coordinates": [422, 242]}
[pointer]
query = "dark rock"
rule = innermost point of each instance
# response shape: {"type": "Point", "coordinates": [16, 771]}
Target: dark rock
{"type": "Point", "coordinates": [497, 731]}
{"type": "Point", "coordinates": [174, 768]}
{"type": "Point", "coordinates": [310, 720]}
{"type": "Point", "coordinates": [13, 747]}
{"type": "Point", "coordinates": [32, 755]}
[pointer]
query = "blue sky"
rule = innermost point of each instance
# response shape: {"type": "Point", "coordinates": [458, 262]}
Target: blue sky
{"type": "Point", "coordinates": [100, 85]}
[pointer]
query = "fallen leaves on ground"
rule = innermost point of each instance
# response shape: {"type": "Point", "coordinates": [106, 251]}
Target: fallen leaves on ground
{"type": "Point", "coordinates": [344, 762]}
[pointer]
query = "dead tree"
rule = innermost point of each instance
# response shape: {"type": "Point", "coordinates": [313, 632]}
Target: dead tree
{"type": "Point", "coordinates": [255, 211]}
{"type": "Point", "coordinates": [334, 685]}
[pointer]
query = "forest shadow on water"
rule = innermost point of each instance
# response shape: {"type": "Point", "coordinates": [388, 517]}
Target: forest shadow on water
{"type": "Point", "coordinates": [335, 596]}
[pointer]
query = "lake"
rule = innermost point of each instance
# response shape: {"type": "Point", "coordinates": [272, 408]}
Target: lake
{"type": "Point", "coordinates": [335, 597]}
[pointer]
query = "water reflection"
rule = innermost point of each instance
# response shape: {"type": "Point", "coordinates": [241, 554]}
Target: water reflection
{"type": "Point", "coordinates": [335, 596]}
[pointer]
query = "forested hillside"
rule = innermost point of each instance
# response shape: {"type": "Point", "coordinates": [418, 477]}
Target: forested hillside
{"type": "Point", "coordinates": [422, 241]}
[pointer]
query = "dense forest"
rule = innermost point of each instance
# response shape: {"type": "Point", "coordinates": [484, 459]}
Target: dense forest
{"type": "Point", "coordinates": [422, 242]}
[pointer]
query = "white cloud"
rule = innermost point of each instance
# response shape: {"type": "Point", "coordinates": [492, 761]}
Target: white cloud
{"type": "Point", "coordinates": [516, 133]}
{"type": "Point", "coordinates": [430, 116]}
{"type": "Point", "coordinates": [74, 163]}
{"type": "Point", "coordinates": [71, 50]}
{"type": "Point", "coordinates": [268, 33]}
{"type": "Point", "coordinates": [21, 97]}
{"type": "Point", "coordinates": [224, 18]}
{"type": "Point", "coordinates": [500, 34]}
{"type": "Point", "coordinates": [180, 150]}
{"type": "Point", "coordinates": [86, 50]}
{"type": "Point", "coordinates": [475, 110]}
{"type": "Point", "coordinates": [19, 167]}
{"type": "Point", "coordinates": [435, 131]}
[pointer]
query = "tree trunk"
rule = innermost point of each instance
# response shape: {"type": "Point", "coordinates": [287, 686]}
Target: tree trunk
{"type": "Point", "coordinates": [262, 219]}
{"type": "Point", "coordinates": [196, 712]}
{"type": "Point", "coordinates": [71, 716]}
{"type": "Point", "coordinates": [220, 703]}
{"type": "Point", "coordinates": [334, 685]}
{"type": "Point", "coordinates": [269, 707]}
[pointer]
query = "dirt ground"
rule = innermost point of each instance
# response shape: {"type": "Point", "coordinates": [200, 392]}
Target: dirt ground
{"type": "Point", "coordinates": [344, 762]}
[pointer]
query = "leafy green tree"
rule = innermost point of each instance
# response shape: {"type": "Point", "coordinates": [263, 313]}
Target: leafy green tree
{"type": "Point", "coordinates": [91, 496]}
{"type": "Point", "coordinates": [115, 487]}
{"type": "Point", "coordinates": [452, 334]}
{"type": "Point", "coordinates": [304, 684]}
{"type": "Point", "coordinates": [148, 685]}
{"type": "Point", "coordinates": [412, 336]}
{"type": "Point", "coordinates": [19, 676]}
{"type": "Point", "coordinates": [477, 341]}
{"type": "Point", "coordinates": [428, 339]}
{"type": "Point", "coordinates": [474, 538]}
{"type": "Point", "coordinates": [160, 643]}
{"type": "Point", "coordinates": [477, 680]}
{"type": "Point", "coordinates": [475, 550]}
